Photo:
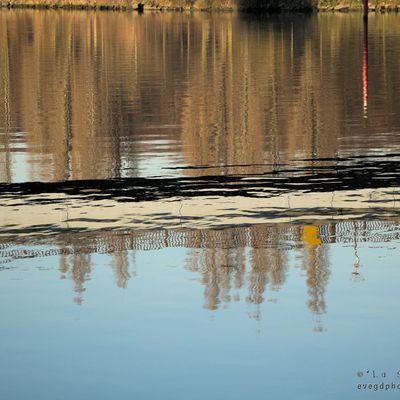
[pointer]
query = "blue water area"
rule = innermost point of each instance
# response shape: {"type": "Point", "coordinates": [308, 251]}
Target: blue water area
{"type": "Point", "coordinates": [199, 206]}
{"type": "Point", "coordinates": [153, 338]}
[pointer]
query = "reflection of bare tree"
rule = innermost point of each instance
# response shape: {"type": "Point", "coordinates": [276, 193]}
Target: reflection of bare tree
{"type": "Point", "coordinates": [221, 270]}
{"type": "Point", "coordinates": [76, 91]}
{"type": "Point", "coordinates": [78, 263]}
{"type": "Point", "coordinates": [317, 278]}
{"type": "Point", "coordinates": [267, 262]}
{"type": "Point", "coordinates": [5, 117]}
{"type": "Point", "coordinates": [63, 265]}
{"type": "Point", "coordinates": [78, 266]}
{"type": "Point", "coordinates": [120, 266]}
{"type": "Point", "coordinates": [225, 268]}
{"type": "Point", "coordinates": [228, 261]}
{"type": "Point", "coordinates": [81, 268]}
{"type": "Point", "coordinates": [316, 263]}
{"type": "Point", "coordinates": [267, 266]}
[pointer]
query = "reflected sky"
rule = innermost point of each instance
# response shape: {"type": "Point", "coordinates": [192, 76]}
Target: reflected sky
{"type": "Point", "coordinates": [237, 264]}
{"type": "Point", "coordinates": [198, 205]}
{"type": "Point", "coordinates": [229, 320]}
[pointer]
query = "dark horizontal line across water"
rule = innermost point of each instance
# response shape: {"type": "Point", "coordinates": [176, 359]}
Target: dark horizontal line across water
{"type": "Point", "coordinates": [346, 174]}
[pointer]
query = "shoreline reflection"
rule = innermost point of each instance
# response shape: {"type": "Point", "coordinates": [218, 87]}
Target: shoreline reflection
{"type": "Point", "coordinates": [100, 96]}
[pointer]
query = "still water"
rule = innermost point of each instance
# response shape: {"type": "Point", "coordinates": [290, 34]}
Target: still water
{"type": "Point", "coordinates": [199, 206]}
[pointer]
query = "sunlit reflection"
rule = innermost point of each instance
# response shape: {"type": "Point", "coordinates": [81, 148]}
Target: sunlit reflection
{"type": "Point", "coordinates": [95, 95]}
{"type": "Point", "coordinates": [241, 264]}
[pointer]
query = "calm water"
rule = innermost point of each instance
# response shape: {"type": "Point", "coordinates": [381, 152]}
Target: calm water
{"type": "Point", "coordinates": [199, 206]}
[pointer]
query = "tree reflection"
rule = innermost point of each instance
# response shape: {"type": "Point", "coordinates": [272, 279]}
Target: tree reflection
{"type": "Point", "coordinates": [233, 264]}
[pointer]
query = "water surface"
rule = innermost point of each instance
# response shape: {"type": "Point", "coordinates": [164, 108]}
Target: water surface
{"type": "Point", "coordinates": [199, 205]}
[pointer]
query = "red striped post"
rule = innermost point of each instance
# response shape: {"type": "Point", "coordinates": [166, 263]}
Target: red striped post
{"type": "Point", "coordinates": [365, 69]}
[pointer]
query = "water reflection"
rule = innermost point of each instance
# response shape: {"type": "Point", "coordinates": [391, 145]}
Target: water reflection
{"type": "Point", "coordinates": [235, 264]}
{"type": "Point", "coordinates": [244, 120]}
{"type": "Point", "coordinates": [166, 170]}
{"type": "Point", "coordinates": [97, 95]}
{"type": "Point", "coordinates": [365, 69]}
